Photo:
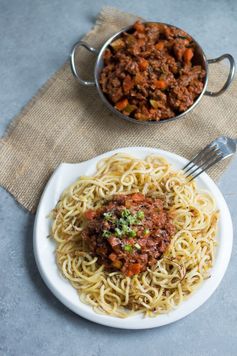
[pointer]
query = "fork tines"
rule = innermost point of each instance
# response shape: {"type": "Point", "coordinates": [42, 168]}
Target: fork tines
{"type": "Point", "coordinates": [210, 155]}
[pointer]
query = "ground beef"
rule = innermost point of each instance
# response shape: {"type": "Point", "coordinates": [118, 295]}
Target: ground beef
{"type": "Point", "coordinates": [149, 74]}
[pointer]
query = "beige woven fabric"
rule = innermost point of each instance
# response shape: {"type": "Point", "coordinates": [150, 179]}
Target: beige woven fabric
{"type": "Point", "coordinates": [66, 122]}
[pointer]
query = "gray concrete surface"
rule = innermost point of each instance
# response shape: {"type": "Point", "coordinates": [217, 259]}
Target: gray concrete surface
{"type": "Point", "coordinates": [35, 38]}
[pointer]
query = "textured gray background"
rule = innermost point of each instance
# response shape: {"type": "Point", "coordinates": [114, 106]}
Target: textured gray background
{"type": "Point", "coordinates": [35, 39]}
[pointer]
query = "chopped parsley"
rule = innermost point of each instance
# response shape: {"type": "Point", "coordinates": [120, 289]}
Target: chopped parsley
{"type": "Point", "coordinates": [182, 37]}
{"type": "Point", "coordinates": [140, 215]}
{"type": "Point", "coordinates": [146, 231]}
{"type": "Point", "coordinates": [108, 216]}
{"type": "Point", "coordinates": [127, 248]}
{"type": "Point", "coordinates": [138, 247]}
{"type": "Point", "coordinates": [132, 233]}
{"type": "Point", "coordinates": [106, 234]}
{"type": "Point", "coordinates": [125, 229]}
{"type": "Point", "coordinates": [122, 226]}
{"type": "Point", "coordinates": [118, 232]}
{"type": "Point", "coordinates": [125, 213]}
{"type": "Point", "coordinates": [131, 219]}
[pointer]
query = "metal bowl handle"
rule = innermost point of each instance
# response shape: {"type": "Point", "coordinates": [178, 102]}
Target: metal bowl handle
{"type": "Point", "coordinates": [72, 61]}
{"type": "Point", "coordinates": [230, 76]}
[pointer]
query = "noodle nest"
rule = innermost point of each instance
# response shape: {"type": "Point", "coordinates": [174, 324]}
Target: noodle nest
{"type": "Point", "coordinates": [182, 268]}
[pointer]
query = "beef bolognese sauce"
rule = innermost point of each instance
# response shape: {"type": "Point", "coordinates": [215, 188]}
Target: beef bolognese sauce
{"type": "Point", "coordinates": [150, 73]}
{"type": "Point", "coordinates": [128, 233]}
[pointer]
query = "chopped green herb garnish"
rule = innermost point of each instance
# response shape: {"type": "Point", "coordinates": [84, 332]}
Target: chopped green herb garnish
{"type": "Point", "coordinates": [123, 224]}
{"type": "Point", "coordinates": [140, 214]}
{"type": "Point", "coordinates": [125, 229]}
{"type": "Point", "coordinates": [138, 247]}
{"type": "Point", "coordinates": [121, 221]}
{"type": "Point", "coordinates": [125, 213]}
{"type": "Point", "coordinates": [132, 233]}
{"type": "Point", "coordinates": [146, 231]}
{"type": "Point", "coordinates": [108, 216]}
{"type": "Point", "coordinates": [127, 248]}
{"type": "Point", "coordinates": [182, 37]}
{"type": "Point", "coordinates": [132, 219]}
{"type": "Point", "coordinates": [106, 234]}
{"type": "Point", "coordinates": [118, 232]}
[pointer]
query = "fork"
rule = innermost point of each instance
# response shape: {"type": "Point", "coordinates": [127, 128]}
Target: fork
{"type": "Point", "coordinates": [218, 150]}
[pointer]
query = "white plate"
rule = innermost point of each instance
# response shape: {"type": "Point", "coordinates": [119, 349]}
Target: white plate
{"type": "Point", "coordinates": [44, 248]}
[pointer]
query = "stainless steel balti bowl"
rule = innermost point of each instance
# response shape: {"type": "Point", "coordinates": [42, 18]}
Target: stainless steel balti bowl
{"type": "Point", "coordinates": [198, 59]}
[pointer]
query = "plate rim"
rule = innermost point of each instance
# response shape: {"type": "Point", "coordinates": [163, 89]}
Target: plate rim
{"type": "Point", "coordinates": [114, 321]}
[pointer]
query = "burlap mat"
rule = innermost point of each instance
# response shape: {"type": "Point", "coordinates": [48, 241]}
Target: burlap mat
{"type": "Point", "coordinates": [66, 122]}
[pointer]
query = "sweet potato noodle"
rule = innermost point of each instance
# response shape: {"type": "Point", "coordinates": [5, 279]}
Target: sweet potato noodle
{"type": "Point", "coordinates": [188, 232]}
{"type": "Point", "coordinates": [149, 73]}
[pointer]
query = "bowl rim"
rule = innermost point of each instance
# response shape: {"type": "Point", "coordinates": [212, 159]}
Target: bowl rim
{"type": "Point", "coordinates": [97, 71]}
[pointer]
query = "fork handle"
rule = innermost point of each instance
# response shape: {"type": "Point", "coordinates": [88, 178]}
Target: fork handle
{"type": "Point", "coordinates": [230, 76]}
